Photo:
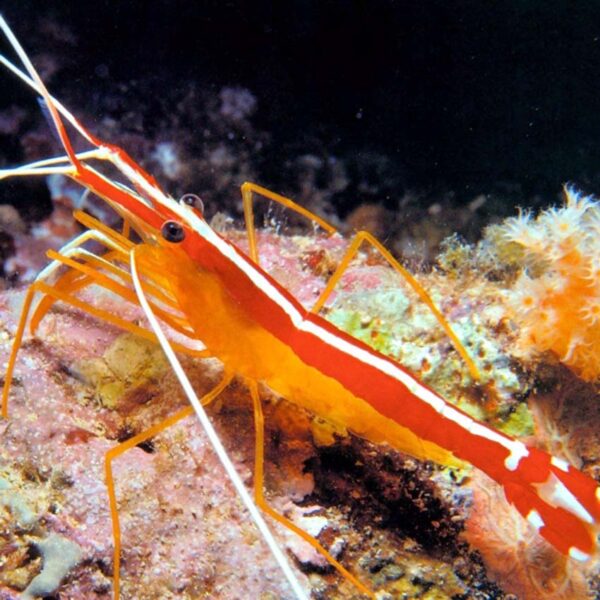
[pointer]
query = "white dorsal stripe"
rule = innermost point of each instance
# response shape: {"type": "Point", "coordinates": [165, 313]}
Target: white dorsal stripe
{"type": "Point", "coordinates": [153, 191]}
{"type": "Point", "coordinates": [561, 464]}
{"type": "Point", "coordinates": [555, 493]}
{"type": "Point", "coordinates": [516, 449]}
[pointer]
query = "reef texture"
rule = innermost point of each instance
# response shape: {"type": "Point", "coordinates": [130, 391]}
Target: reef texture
{"type": "Point", "coordinates": [186, 531]}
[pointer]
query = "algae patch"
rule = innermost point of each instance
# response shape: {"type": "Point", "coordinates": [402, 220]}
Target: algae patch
{"type": "Point", "coordinates": [60, 555]}
{"type": "Point", "coordinates": [129, 363]}
{"type": "Point", "coordinates": [16, 504]}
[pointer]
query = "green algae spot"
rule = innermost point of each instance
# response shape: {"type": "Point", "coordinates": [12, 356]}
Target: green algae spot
{"type": "Point", "coordinates": [519, 423]}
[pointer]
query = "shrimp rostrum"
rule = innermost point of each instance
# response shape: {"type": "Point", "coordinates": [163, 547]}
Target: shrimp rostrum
{"type": "Point", "coordinates": [264, 336]}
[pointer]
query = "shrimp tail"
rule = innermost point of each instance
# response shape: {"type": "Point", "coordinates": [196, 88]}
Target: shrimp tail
{"type": "Point", "coordinates": [562, 503]}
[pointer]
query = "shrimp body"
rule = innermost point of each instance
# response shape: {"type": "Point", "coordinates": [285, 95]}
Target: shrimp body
{"type": "Point", "coordinates": [255, 326]}
{"type": "Point", "coordinates": [260, 344]}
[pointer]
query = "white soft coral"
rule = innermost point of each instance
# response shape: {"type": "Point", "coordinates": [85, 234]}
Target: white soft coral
{"type": "Point", "coordinates": [558, 305]}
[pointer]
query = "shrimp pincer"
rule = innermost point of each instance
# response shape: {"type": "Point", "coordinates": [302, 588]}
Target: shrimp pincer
{"type": "Point", "coordinates": [187, 276]}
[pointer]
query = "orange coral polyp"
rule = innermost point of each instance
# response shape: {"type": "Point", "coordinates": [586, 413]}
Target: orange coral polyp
{"type": "Point", "coordinates": [559, 310]}
{"type": "Point", "coordinates": [591, 313]}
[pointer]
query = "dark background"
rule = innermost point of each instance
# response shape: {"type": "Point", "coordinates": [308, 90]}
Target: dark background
{"type": "Point", "coordinates": [469, 97]}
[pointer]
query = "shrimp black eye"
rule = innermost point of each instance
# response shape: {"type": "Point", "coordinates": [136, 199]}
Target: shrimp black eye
{"type": "Point", "coordinates": [193, 201]}
{"type": "Point", "coordinates": [172, 231]}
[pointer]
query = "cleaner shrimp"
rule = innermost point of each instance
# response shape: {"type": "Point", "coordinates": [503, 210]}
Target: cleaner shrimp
{"type": "Point", "coordinates": [264, 336]}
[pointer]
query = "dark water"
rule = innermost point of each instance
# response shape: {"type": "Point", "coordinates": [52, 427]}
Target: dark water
{"type": "Point", "coordinates": [473, 97]}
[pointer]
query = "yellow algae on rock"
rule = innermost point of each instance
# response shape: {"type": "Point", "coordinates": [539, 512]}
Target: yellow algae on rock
{"type": "Point", "coordinates": [128, 363]}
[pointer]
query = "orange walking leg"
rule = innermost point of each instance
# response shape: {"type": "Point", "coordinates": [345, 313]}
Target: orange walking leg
{"type": "Point", "coordinates": [98, 278]}
{"type": "Point", "coordinates": [40, 286]}
{"type": "Point", "coordinates": [259, 424]}
{"type": "Point", "coordinates": [249, 189]}
{"type": "Point", "coordinates": [362, 237]}
{"type": "Point", "coordinates": [118, 450]}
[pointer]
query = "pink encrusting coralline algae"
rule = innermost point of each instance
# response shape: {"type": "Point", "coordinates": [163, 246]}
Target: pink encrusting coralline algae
{"type": "Point", "coordinates": [556, 299]}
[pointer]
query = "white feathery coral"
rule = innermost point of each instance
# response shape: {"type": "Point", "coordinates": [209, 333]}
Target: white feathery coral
{"type": "Point", "coordinates": [558, 308]}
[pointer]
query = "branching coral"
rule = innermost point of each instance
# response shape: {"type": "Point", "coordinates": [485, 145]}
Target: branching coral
{"type": "Point", "coordinates": [556, 299]}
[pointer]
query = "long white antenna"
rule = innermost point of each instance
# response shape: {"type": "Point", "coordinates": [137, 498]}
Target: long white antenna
{"type": "Point", "coordinates": [31, 83]}
{"type": "Point", "coordinates": [213, 436]}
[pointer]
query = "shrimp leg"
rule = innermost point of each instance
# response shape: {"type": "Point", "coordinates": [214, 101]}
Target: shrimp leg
{"type": "Point", "coordinates": [76, 279]}
{"type": "Point", "coordinates": [175, 322]}
{"type": "Point", "coordinates": [248, 189]}
{"type": "Point", "coordinates": [259, 497]}
{"type": "Point", "coordinates": [73, 280]}
{"type": "Point", "coordinates": [121, 448]}
{"type": "Point", "coordinates": [359, 239]}
{"type": "Point", "coordinates": [55, 292]}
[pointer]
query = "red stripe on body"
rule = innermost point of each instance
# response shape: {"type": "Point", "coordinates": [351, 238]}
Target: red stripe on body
{"type": "Point", "coordinates": [119, 196]}
{"type": "Point", "coordinates": [384, 393]}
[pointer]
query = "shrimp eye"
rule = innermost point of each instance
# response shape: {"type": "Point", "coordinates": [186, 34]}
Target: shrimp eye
{"type": "Point", "coordinates": [172, 231]}
{"type": "Point", "coordinates": [192, 200]}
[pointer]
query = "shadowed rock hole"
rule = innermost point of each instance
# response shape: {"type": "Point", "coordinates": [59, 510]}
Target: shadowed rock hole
{"type": "Point", "coordinates": [147, 446]}
{"type": "Point", "coordinates": [127, 433]}
{"type": "Point", "coordinates": [32, 553]}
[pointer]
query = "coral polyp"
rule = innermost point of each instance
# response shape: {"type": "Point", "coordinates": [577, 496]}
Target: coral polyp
{"type": "Point", "coordinates": [556, 299]}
